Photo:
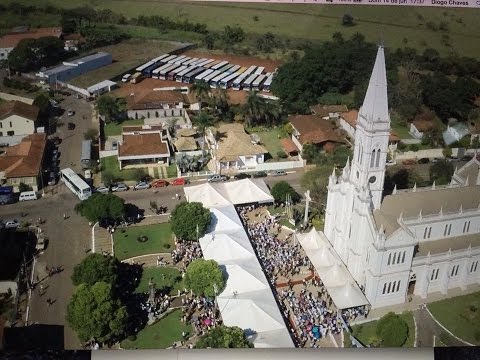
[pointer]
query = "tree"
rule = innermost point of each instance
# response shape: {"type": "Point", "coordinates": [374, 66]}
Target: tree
{"type": "Point", "coordinates": [204, 277]}
{"type": "Point", "coordinates": [139, 174]}
{"type": "Point", "coordinates": [108, 178]}
{"type": "Point", "coordinates": [254, 108]}
{"type": "Point", "coordinates": [42, 101]}
{"type": "Point", "coordinates": [203, 121]}
{"type": "Point", "coordinates": [201, 90]}
{"type": "Point", "coordinates": [110, 107]}
{"type": "Point", "coordinates": [90, 134]}
{"type": "Point", "coordinates": [96, 268]}
{"type": "Point", "coordinates": [186, 218]}
{"type": "Point", "coordinates": [232, 35]}
{"type": "Point", "coordinates": [22, 57]}
{"type": "Point", "coordinates": [224, 337]}
{"type": "Point", "coordinates": [441, 172]}
{"type": "Point", "coordinates": [392, 330]}
{"type": "Point", "coordinates": [280, 191]}
{"type": "Point", "coordinates": [316, 180]}
{"type": "Point", "coordinates": [407, 93]}
{"type": "Point", "coordinates": [101, 206]}
{"type": "Point", "coordinates": [94, 313]}
{"type": "Point", "coordinates": [69, 26]}
{"type": "Point", "coordinates": [209, 40]}
{"type": "Point", "coordinates": [347, 20]}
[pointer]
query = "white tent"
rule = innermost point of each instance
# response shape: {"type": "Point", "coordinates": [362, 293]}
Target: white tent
{"type": "Point", "coordinates": [226, 247]}
{"type": "Point", "coordinates": [336, 275]}
{"type": "Point", "coordinates": [270, 339]}
{"type": "Point", "coordinates": [225, 219]}
{"type": "Point", "coordinates": [206, 194]}
{"type": "Point", "coordinates": [347, 296]}
{"type": "Point", "coordinates": [244, 277]}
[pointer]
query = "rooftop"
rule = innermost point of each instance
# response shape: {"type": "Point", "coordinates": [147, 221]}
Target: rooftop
{"type": "Point", "coordinates": [18, 108]}
{"type": "Point", "coordinates": [155, 99]}
{"type": "Point", "coordinates": [140, 128]}
{"type": "Point", "coordinates": [185, 143]}
{"type": "Point", "coordinates": [288, 145]}
{"type": "Point", "coordinates": [142, 145]}
{"type": "Point", "coordinates": [315, 130]}
{"type": "Point", "coordinates": [327, 109]}
{"type": "Point", "coordinates": [12, 39]}
{"type": "Point", "coordinates": [24, 159]}
{"type": "Point", "coordinates": [235, 142]}
{"type": "Point", "coordinates": [470, 171]}
{"type": "Point", "coordinates": [452, 243]}
{"type": "Point", "coordinates": [350, 117]}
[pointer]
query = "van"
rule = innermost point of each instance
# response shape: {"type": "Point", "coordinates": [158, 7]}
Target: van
{"type": "Point", "coordinates": [28, 195]}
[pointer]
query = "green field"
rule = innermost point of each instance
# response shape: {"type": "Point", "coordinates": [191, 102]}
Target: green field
{"type": "Point", "coordinates": [115, 128]}
{"type": "Point", "coordinates": [110, 164]}
{"type": "Point", "coordinates": [162, 277]}
{"type": "Point", "coordinates": [460, 315]}
{"type": "Point", "coordinates": [270, 139]}
{"type": "Point", "coordinates": [401, 26]}
{"type": "Point", "coordinates": [159, 240]}
{"type": "Point", "coordinates": [160, 335]}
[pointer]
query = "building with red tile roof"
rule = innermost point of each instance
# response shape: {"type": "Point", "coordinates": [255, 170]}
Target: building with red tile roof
{"type": "Point", "coordinates": [313, 129]}
{"type": "Point", "coordinates": [9, 41]}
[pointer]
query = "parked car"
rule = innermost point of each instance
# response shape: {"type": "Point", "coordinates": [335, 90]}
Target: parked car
{"type": "Point", "coordinates": [160, 183]}
{"type": "Point", "coordinates": [70, 126]}
{"type": "Point", "coordinates": [114, 145]}
{"type": "Point", "coordinates": [424, 161]}
{"type": "Point", "coordinates": [142, 185]}
{"type": "Point", "coordinates": [52, 178]}
{"type": "Point", "coordinates": [11, 224]}
{"type": "Point", "coordinates": [53, 103]}
{"type": "Point", "coordinates": [55, 151]}
{"type": "Point", "coordinates": [56, 140]}
{"type": "Point", "coordinates": [70, 112]}
{"type": "Point", "coordinates": [119, 187]}
{"type": "Point", "coordinates": [242, 176]}
{"type": "Point", "coordinates": [260, 174]}
{"type": "Point", "coordinates": [102, 189]}
{"type": "Point", "coordinates": [54, 157]}
{"type": "Point", "coordinates": [179, 181]}
{"type": "Point", "coordinates": [278, 173]}
{"type": "Point", "coordinates": [217, 178]}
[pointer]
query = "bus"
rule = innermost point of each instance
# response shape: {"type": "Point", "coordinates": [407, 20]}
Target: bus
{"type": "Point", "coordinates": [234, 69]}
{"type": "Point", "coordinates": [179, 59]}
{"type": "Point", "coordinates": [147, 72]}
{"type": "Point", "coordinates": [172, 74]}
{"type": "Point", "coordinates": [247, 85]}
{"type": "Point", "coordinates": [188, 78]}
{"type": "Point", "coordinates": [211, 65]}
{"type": "Point", "coordinates": [219, 65]}
{"type": "Point", "coordinates": [179, 76]}
{"type": "Point", "coordinates": [167, 59]}
{"type": "Point", "coordinates": [257, 84]}
{"type": "Point", "coordinates": [198, 61]}
{"type": "Point", "coordinates": [188, 62]}
{"type": "Point", "coordinates": [237, 83]}
{"type": "Point", "coordinates": [86, 159]}
{"type": "Point", "coordinates": [136, 78]}
{"type": "Point", "coordinates": [226, 82]}
{"type": "Point", "coordinates": [210, 76]}
{"type": "Point", "coordinates": [6, 195]}
{"type": "Point", "coordinates": [268, 83]}
{"type": "Point", "coordinates": [203, 74]}
{"type": "Point", "coordinates": [160, 68]}
{"type": "Point", "coordinates": [215, 80]}
{"type": "Point", "coordinates": [75, 183]}
{"type": "Point", "coordinates": [184, 61]}
{"type": "Point", "coordinates": [259, 71]}
{"type": "Point", "coordinates": [144, 66]}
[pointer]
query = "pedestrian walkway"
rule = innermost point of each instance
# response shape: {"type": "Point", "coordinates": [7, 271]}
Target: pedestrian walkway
{"type": "Point", "coordinates": [428, 329]}
{"type": "Point", "coordinates": [103, 240]}
{"type": "Point", "coordinates": [150, 260]}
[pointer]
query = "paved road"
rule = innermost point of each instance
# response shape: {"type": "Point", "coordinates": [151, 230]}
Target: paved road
{"type": "Point", "coordinates": [427, 328]}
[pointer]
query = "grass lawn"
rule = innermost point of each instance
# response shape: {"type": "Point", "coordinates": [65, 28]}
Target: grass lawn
{"type": "Point", "coordinates": [110, 164]}
{"type": "Point", "coordinates": [366, 332]}
{"type": "Point", "coordinates": [270, 139]}
{"type": "Point", "coordinates": [160, 335]}
{"type": "Point", "coordinates": [400, 130]}
{"type": "Point", "coordinates": [172, 171]}
{"type": "Point", "coordinates": [127, 246]}
{"type": "Point", "coordinates": [460, 315]}
{"type": "Point", "coordinates": [162, 277]}
{"type": "Point", "coordinates": [114, 128]}
{"type": "Point", "coordinates": [126, 56]}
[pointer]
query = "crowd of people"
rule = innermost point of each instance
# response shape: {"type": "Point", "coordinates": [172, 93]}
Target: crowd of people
{"type": "Point", "coordinates": [186, 251]}
{"type": "Point", "coordinates": [311, 314]}
{"type": "Point", "coordinates": [201, 312]}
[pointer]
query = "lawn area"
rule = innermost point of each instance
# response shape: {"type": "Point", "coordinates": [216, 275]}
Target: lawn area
{"type": "Point", "coordinates": [270, 139]}
{"type": "Point", "coordinates": [160, 335]}
{"type": "Point", "coordinates": [366, 332]}
{"type": "Point", "coordinates": [114, 128]}
{"type": "Point", "coordinates": [162, 277]}
{"type": "Point", "coordinates": [460, 315]}
{"type": "Point", "coordinates": [126, 56]}
{"type": "Point", "coordinates": [159, 237]}
{"type": "Point", "coordinates": [172, 171]}
{"type": "Point", "coordinates": [110, 164]}
{"type": "Point", "coordinates": [400, 130]}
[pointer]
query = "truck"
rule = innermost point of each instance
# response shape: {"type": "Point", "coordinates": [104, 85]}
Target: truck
{"type": "Point", "coordinates": [136, 78]}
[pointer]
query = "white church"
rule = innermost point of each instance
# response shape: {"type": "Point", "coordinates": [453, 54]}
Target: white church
{"type": "Point", "coordinates": [413, 242]}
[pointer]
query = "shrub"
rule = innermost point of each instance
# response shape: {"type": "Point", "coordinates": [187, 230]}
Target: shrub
{"type": "Point", "coordinates": [282, 154]}
{"type": "Point", "coordinates": [414, 147]}
{"type": "Point", "coordinates": [392, 330]}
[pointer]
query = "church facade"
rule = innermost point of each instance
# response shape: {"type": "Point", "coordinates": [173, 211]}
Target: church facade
{"type": "Point", "coordinates": [412, 242]}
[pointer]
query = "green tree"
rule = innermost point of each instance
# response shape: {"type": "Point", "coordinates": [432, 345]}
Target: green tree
{"type": "Point", "coordinates": [22, 57]}
{"type": "Point", "coordinates": [441, 172]}
{"type": "Point", "coordinates": [186, 218]}
{"type": "Point", "coordinates": [201, 90]}
{"type": "Point", "coordinates": [209, 40]}
{"type": "Point", "coordinates": [203, 121]}
{"type": "Point", "coordinates": [224, 337]}
{"type": "Point", "coordinates": [42, 101]}
{"type": "Point", "coordinates": [392, 330]}
{"type": "Point", "coordinates": [281, 189]}
{"type": "Point", "coordinates": [111, 108]}
{"type": "Point", "coordinates": [90, 134]}
{"type": "Point", "coordinates": [96, 268]}
{"type": "Point", "coordinates": [139, 174]}
{"type": "Point", "coordinates": [24, 187]}
{"type": "Point", "coordinates": [101, 206]}
{"type": "Point", "coordinates": [69, 26]}
{"type": "Point", "coordinates": [254, 108]}
{"type": "Point", "coordinates": [407, 93]}
{"type": "Point", "coordinates": [108, 178]}
{"type": "Point", "coordinates": [203, 277]}
{"type": "Point", "coordinates": [232, 35]}
{"type": "Point", "coordinates": [94, 313]}
{"type": "Point", "coordinates": [347, 20]}
{"type": "Point", "coordinates": [316, 180]}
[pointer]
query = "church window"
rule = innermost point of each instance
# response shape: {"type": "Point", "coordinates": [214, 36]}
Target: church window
{"type": "Point", "coordinates": [425, 233]}
{"type": "Point", "coordinates": [403, 256]}
{"type": "Point", "coordinates": [449, 229]}
{"type": "Point", "coordinates": [377, 161]}
{"type": "Point", "coordinates": [466, 227]}
{"type": "Point", "coordinates": [384, 288]}
{"type": "Point", "coordinates": [372, 180]}
{"type": "Point", "coordinates": [473, 267]}
{"type": "Point", "coordinates": [372, 159]}
{"type": "Point", "coordinates": [454, 271]}
{"type": "Point", "coordinates": [148, 114]}
{"type": "Point", "coordinates": [389, 287]}
{"type": "Point", "coordinates": [398, 286]}
{"type": "Point", "coordinates": [445, 231]}
{"type": "Point", "coordinates": [394, 258]}
{"type": "Point", "coordinates": [389, 258]}
{"type": "Point", "coordinates": [359, 152]}
{"type": "Point", "coordinates": [429, 232]}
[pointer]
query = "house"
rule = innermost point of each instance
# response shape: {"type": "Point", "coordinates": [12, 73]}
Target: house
{"type": "Point", "coordinates": [72, 42]}
{"type": "Point", "coordinates": [329, 111]}
{"type": "Point", "coordinates": [232, 148]}
{"type": "Point", "coordinates": [419, 126]}
{"type": "Point", "coordinates": [76, 67]}
{"type": "Point", "coordinates": [9, 41]}
{"type": "Point", "coordinates": [143, 145]}
{"type": "Point", "coordinates": [17, 120]}
{"type": "Point", "coordinates": [22, 163]}
{"type": "Point", "coordinates": [413, 243]}
{"type": "Point", "coordinates": [156, 104]}
{"type": "Point", "coordinates": [313, 129]}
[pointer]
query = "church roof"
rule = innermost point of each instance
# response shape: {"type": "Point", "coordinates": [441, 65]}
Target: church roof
{"type": "Point", "coordinates": [430, 202]}
{"type": "Point", "coordinates": [442, 246]}
{"type": "Point", "coordinates": [375, 105]}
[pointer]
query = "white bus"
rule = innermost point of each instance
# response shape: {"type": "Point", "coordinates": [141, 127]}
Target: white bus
{"type": "Point", "coordinates": [257, 84]}
{"type": "Point", "coordinates": [247, 85]}
{"type": "Point", "coordinates": [144, 66]}
{"type": "Point", "coordinates": [268, 83]}
{"type": "Point", "coordinates": [207, 61]}
{"type": "Point", "coordinates": [162, 75]}
{"type": "Point", "coordinates": [226, 82]}
{"type": "Point", "coordinates": [210, 76]}
{"type": "Point", "coordinates": [188, 62]}
{"type": "Point", "coordinates": [189, 77]}
{"type": "Point", "coordinates": [259, 71]}
{"type": "Point", "coordinates": [185, 61]}
{"type": "Point", "coordinates": [237, 83]}
{"type": "Point", "coordinates": [156, 72]}
{"type": "Point", "coordinates": [203, 74]}
{"type": "Point", "coordinates": [215, 80]}
{"type": "Point", "coordinates": [211, 64]}
{"type": "Point", "coordinates": [172, 75]}
{"type": "Point", "coordinates": [86, 158]}
{"type": "Point", "coordinates": [75, 183]}
{"type": "Point", "coordinates": [179, 76]}
{"type": "Point", "coordinates": [179, 59]}
{"type": "Point", "coordinates": [219, 65]}
{"type": "Point", "coordinates": [233, 69]}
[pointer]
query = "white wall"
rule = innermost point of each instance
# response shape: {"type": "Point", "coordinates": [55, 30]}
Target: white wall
{"type": "Point", "coordinates": [10, 97]}
{"type": "Point", "coordinates": [414, 132]}
{"type": "Point", "coordinates": [19, 125]}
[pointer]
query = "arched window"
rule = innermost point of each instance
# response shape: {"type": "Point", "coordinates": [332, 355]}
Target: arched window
{"type": "Point", "coordinates": [377, 161]}
{"type": "Point", "coordinates": [136, 116]}
{"type": "Point", "coordinates": [398, 286]}
{"type": "Point", "coordinates": [372, 159]}
{"type": "Point", "coordinates": [389, 258]}
{"type": "Point", "coordinates": [156, 114]}
{"type": "Point", "coordinates": [384, 288]}
{"type": "Point", "coordinates": [403, 257]}
{"type": "Point", "coordinates": [148, 114]}
{"type": "Point", "coordinates": [394, 258]}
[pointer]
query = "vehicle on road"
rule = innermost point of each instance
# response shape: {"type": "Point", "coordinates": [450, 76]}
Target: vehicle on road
{"type": "Point", "coordinates": [160, 183]}
{"type": "Point", "coordinates": [278, 173]}
{"type": "Point", "coordinates": [27, 196]}
{"type": "Point", "coordinates": [86, 156]}
{"type": "Point", "coordinates": [76, 184]}
{"type": "Point", "coordinates": [102, 189]}
{"type": "Point", "coordinates": [52, 178]}
{"type": "Point", "coordinates": [217, 178]}
{"type": "Point", "coordinates": [260, 174]}
{"type": "Point", "coordinates": [242, 176]}
{"type": "Point", "coordinates": [179, 181]}
{"type": "Point", "coordinates": [53, 103]}
{"type": "Point", "coordinates": [424, 161]}
{"type": "Point", "coordinates": [56, 140]}
{"type": "Point", "coordinates": [11, 224]}
{"type": "Point", "coordinates": [142, 185]}
{"type": "Point", "coordinates": [119, 187]}
{"type": "Point", "coordinates": [126, 77]}
{"type": "Point", "coordinates": [70, 112]}
{"type": "Point", "coordinates": [70, 126]}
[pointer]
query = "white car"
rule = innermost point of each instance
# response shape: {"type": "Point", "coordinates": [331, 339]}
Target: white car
{"type": "Point", "coordinates": [142, 185]}
{"type": "Point", "coordinates": [119, 187]}
{"type": "Point", "coordinates": [11, 224]}
{"type": "Point", "coordinates": [126, 77]}
{"type": "Point", "coordinates": [70, 112]}
{"type": "Point", "coordinates": [102, 189]}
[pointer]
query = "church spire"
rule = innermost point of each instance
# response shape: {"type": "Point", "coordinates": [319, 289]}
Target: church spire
{"type": "Point", "coordinates": [375, 105]}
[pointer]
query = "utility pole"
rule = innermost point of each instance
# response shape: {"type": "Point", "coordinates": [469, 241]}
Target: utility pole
{"type": "Point", "coordinates": [307, 204]}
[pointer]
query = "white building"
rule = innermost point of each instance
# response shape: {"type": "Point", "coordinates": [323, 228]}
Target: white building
{"type": "Point", "coordinates": [17, 120]}
{"type": "Point", "coordinates": [412, 242]}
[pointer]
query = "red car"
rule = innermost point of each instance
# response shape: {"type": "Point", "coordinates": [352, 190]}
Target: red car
{"type": "Point", "coordinates": [159, 183]}
{"type": "Point", "coordinates": [179, 181]}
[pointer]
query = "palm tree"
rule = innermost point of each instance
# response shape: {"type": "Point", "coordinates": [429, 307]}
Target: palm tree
{"type": "Point", "coordinates": [254, 108]}
{"type": "Point", "coordinates": [273, 112]}
{"type": "Point", "coordinates": [201, 90]}
{"type": "Point", "coordinates": [203, 121]}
